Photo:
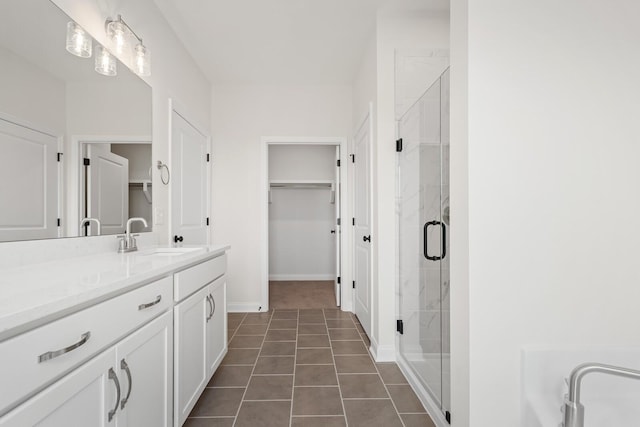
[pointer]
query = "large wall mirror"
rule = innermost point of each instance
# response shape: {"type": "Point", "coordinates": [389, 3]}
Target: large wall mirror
{"type": "Point", "coordinates": [53, 102]}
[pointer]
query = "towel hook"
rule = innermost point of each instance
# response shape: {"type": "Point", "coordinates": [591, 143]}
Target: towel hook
{"type": "Point", "coordinates": [163, 167]}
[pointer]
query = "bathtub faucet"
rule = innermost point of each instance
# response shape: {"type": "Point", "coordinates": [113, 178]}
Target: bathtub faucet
{"type": "Point", "coordinates": [573, 409]}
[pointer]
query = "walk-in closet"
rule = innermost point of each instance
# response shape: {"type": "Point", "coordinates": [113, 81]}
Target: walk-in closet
{"type": "Point", "coordinates": [304, 239]}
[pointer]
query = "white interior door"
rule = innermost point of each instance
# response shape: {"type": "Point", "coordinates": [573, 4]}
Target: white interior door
{"type": "Point", "coordinates": [338, 234]}
{"type": "Point", "coordinates": [29, 189]}
{"type": "Point", "coordinates": [107, 189]}
{"type": "Point", "coordinates": [362, 224]}
{"type": "Point", "coordinates": [189, 183]}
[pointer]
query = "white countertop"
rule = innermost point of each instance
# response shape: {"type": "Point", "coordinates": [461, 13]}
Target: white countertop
{"type": "Point", "coordinates": [36, 294]}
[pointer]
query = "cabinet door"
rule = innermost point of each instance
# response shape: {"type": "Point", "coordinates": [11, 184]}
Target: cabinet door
{"type": "Point", "coordinates": [145, 369]}
{"type": "Point", "coordinates": [217, 326]}
{"type": "Point", "coordinates": [85, 397]}
{"type": "Point", "coordinates": [190, 352]}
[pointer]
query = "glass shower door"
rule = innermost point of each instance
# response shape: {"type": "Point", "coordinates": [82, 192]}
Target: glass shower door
{"type": "Point", "coordinates": [423, 198]}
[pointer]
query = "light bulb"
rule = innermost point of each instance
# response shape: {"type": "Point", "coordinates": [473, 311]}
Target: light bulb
{"type": "Point", "coordinates": [119, 38]}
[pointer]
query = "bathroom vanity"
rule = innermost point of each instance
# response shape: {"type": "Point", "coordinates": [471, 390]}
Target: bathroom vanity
{"type": "Point", "coordinates": [111, 339]}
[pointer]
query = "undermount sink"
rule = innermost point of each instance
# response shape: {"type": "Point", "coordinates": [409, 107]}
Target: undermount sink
{"type": "Point", "coordinates": [170, 251]}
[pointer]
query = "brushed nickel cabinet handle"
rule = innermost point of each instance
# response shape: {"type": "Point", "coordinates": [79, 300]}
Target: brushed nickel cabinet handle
{"type": "Point", "coordinates": [114, 377]}
{"type": "Point", "coordinates": [150, 304]}
{"type": "Point", "coordinates": [213, 301]}
{"type": "Point", "coordinates": [210, 315]}
{"type": "Point", "coordinates": [123, 365]}
{"type": "Point", "coordinates": [53, 354]}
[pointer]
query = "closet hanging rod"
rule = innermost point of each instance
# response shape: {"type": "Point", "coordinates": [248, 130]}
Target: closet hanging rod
{"type": "Point", "coordinates": [301, 185]}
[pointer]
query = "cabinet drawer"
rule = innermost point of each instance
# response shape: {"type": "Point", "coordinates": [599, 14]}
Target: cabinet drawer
{"type": "Point", "coordinates": [190, 280]}
{"type": "Point", "coordinates": [35, 358]}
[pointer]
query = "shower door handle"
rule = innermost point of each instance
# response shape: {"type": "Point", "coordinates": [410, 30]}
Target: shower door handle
{"type": "Point", "coordinates": [443, 248]}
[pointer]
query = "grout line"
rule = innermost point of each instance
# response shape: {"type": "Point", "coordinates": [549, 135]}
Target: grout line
{"type": "Point", "coordinates": [293, 384]}
{"type": "Point", "coordinates": [335, 369]}
{"type": "Point", "coordinates": [252, 370]}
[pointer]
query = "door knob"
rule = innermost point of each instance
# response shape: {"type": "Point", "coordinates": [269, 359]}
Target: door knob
{"type": "Point", "coordinates": [177, 239]}
{"type": "Point", "coordinates": [366, 238]}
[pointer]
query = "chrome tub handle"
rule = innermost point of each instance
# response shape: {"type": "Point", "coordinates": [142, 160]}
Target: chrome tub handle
{"type": "Point", "coordinates": [123, 365]}
{"type": "Point", "coordinates": [114, 377]}
{"type": "Point", "coordinates": [53, 354]}
{"type": "Point", "coordinates": [150, 304]}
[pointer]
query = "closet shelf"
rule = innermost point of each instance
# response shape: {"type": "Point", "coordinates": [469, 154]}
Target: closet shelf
{"type": "Point", "coordinates": [145, 184]}
{"type": "Point", "coordinates": [304, 185]}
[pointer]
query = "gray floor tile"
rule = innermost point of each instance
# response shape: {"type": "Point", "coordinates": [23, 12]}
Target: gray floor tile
{"type": "Point", "coordinates": [313, 341]}
{"type": "Point", "coordinates": [362, 386]}
{"type": "Point", "coordinates": [276, 348]}
{"type": "Point", "coordinates": [317, 401]}
{"type": "Point", "coordinates": [252, 330]}
{"type": "Point", "coordinates": [405, 399]}
{"type": "Point", "coordinates": [391, 374]}
{"type": "Point", "coordinates": [264, 414]}
{"type": "Point", "coordinates": [274, 365]}
{"type": "Point", "coordinates": [417, 420]}
{"type": "Point", "coordinates": [314, 356]}
{"type": "Point", "coordinates": [241, 356]}
{"type": "Point", "coordinates": [269, 387]}
{"type": "Point", "coordinates": [348, 347]}
{"type": "Point", "coordinates": [368, 413]}
{"type": "Point", "coordinates": [231, 376]}
{"type": "Point", "coordinates": [355, 365]}
{"type": "Point", "coordinates": [327, 421]}
{"type": "Point", "coordinates": [246, 341]}
{"type": "Point", "coordinates": [315, 375]}
{"type": "Point", "coordinates": [281, 335]}
{"type": "Point", "coordinates": [218, 402]}
{"type": "Point", "coordinates": [209, 422]}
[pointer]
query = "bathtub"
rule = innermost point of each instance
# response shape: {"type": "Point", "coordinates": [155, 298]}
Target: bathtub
{"type": "Point", "coordinates": [608, 401]}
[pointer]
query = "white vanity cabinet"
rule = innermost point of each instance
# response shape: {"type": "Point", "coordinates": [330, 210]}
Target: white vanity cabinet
{"type": "Point", "coordinates": [105, 392]}
{"type": "Point", "coordinates": [200, 332]}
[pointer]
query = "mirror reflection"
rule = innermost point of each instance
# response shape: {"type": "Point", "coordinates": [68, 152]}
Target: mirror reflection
{"type": "Point", "coordinates": [75, 144]}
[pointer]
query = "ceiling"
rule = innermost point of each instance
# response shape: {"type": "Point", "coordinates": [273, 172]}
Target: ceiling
{"type": "Point", "coordinates": [278, 41]}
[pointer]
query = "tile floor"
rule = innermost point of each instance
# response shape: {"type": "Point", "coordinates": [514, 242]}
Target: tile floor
{"type": "Point", "coordinates": [306, 367]}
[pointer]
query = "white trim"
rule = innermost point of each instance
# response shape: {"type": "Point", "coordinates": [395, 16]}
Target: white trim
{"type": "Point", "coordinates": [74, 205]}
{"type": "Point", "coordinates": [252, 307]}
{"type": "Point", "coordinates": [302, 277]}
{"type": "Point", "coordinates": [265, 142]}
{"type": "Point", "coordinates": [30, 125]}
{"type": "Point", "coordinates": [425, 398]}
{"type": "Point", "coordinates": [181, 110]}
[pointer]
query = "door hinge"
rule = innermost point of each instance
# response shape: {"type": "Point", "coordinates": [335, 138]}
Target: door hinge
{"type": "Point", "coordinates": [353, 221]}
{"type": "Point", "coordinates": [353, 158]}
{"type": "Point", "coordinates": [447, 416]}
{"type": "Point", "coordinates": [399, 145]}
{"type": "Point", "coordinates": [208, 157]}
{"type": "Point", "coordinates": [338, 162]}
{"type": "Point", "coordinates": [86, 162]}
{"type": "Point", "coordinates": [400, 326]}
{"type": "Point", "coordinates": [353, 284]}
{"type": "Point", "coordinates": [338, 221]}
{"type": "Point", "coordinates": [60, 156]}
{"type": "Point", "coordinates": [338, 280]}
{"type": "Point", "coordinates": [59, 222]}
{"type": "Point", "coordinates": [207, 220]}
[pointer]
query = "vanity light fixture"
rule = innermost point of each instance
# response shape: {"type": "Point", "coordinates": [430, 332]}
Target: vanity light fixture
{"type": "Point", "coordinates": [105, 62]}
{"type": "Point", "coordinates": [78, 41]}
{"type": "Point", "coordinates": [119, 34]}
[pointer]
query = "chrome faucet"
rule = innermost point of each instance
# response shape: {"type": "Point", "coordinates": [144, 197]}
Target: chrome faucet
{"type": "Point", "coordinates": [572, 408]}
{"type": "Point", "coordinates": [128, 241]}
{"type": "Point", "coordinates": [87, 221]}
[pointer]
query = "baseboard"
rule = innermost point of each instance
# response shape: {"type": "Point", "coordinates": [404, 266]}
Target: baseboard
{"type": "Point", "coordinates": [425, 398]}
{"type": "Point", "coordinates": [382, 353]}
{"type": "Point", "coordinates": [251, 307]}
{"type": "Point", "coordinates": [301, 277]}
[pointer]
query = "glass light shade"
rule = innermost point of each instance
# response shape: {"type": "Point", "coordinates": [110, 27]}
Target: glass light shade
{"type": "Point", "coordinates": [78, 41]}
{"type": "Point", "coordinates": [118, 35]}
{"type": "Point", "coordinates": [142, 60]}
{"type": "Point", "coordinates": [105, 62]}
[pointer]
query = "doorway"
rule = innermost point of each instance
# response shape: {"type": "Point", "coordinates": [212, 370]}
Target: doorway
{"type": "Point", "coordinates": [304, 239]}
{"type": "Point", "coordinates": [115, 184]}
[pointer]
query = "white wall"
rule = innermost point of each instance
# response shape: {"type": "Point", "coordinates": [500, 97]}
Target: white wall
{"type": "Point", "coordinates": [31, 93]}
{"type": "Point", "coordinates": [553, 188]}
{"type": "Point", "coordinates": [174, 74]}
{"type": "Point", "coordinates": [301, 245]}
{"type": "Point", "coordinates": [397, 30]}
{"type": "Point", "coordinates": [241, 115]}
